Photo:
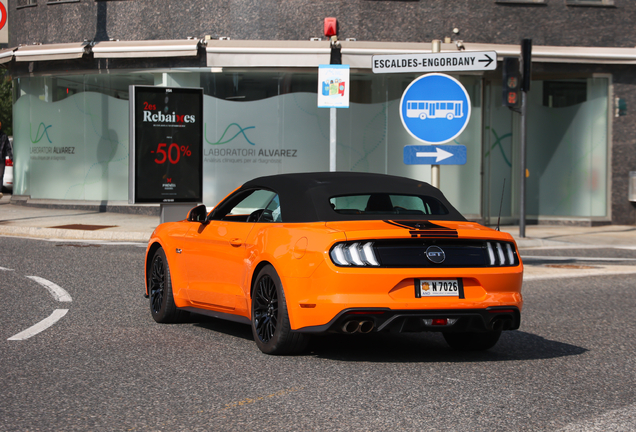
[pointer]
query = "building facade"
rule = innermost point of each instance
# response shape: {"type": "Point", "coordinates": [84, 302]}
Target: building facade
{"type": "Point", "coordinates": [72, 63]}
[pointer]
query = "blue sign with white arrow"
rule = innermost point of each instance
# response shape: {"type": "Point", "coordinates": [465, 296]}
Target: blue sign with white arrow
{"type": "Point", "coordinates": [435, 155]}
{"type": "Point", "coordinates": [435, 108]}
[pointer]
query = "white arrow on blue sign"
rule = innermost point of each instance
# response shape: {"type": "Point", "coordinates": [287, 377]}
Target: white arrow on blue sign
{"type": "Point", "coordinates": [435, 155]}
{"type": "Point", "coordinates": [435, 108]}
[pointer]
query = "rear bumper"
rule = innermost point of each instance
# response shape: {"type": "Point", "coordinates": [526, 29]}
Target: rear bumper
{"type": "Point", "coordinates": [400, 321]}
{"type": "Point", "coordinates": [317, 302]}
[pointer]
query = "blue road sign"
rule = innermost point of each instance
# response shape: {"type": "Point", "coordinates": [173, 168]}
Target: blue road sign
{"type": "Point", "coordinates": [435, 108]}
{"type": "Point", "coordinates": [435, 155]}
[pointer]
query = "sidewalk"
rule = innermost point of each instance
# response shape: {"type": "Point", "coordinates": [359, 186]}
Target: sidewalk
{"type": "Point", "coordinates": [74, 224]}
{"type": "Point", "coordinates": [557, 236]}
{"type": "Point", "coordinates": [91, 224]}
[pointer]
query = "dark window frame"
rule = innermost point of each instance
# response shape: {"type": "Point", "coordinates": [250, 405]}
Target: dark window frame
{"type": "Point", "coordinates": [29, 3]}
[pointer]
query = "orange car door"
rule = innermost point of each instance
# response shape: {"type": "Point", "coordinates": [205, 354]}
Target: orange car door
{"type": "Point", "coordinates": [214, 254]}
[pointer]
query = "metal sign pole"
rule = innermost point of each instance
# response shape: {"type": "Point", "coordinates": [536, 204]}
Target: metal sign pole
{"type": "Point", "coordinates": [436, 47]}
{"type": "Point", "coordinates": [522, 204]}
{"type": "Point", "coordinates": [332, 139]}
{"type": "Point", "coordinates": [526, 59]}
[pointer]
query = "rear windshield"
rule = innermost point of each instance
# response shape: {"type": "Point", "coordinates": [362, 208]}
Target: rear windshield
{"type": "Point", "coordinates": [387, 204]}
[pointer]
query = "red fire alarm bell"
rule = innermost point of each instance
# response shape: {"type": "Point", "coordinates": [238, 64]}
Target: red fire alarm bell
{"type": "Point", "coordinates": [331, 27]}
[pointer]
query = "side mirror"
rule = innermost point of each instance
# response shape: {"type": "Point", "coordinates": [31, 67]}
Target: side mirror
{"type": "Point", "coordinates": [197, 214]}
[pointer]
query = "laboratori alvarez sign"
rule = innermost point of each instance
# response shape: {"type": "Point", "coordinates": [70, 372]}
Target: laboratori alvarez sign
{"type": "Point", "coordinates": [44, 149]}
{"type": "Point", "coordinates": [248, 155]}
{"type": "Point", "coordinates": [51, 153]}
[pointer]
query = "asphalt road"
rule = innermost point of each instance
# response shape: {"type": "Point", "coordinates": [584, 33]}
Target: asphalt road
{"type": "Point", "coordinates": [106, 365]}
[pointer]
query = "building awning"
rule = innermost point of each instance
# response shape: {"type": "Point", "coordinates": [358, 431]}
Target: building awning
{"type": "Point", "coordinates": [6, 55]}
{"type": "Point", "coordinates": [358, 54]}
{"type": "Point", "coordinates": [67, 51]}
{"type": "Point", "coordinates": [564, 54]}
{"type": "Point", "coordinates": [230, 53]}
{"type": "Point", "coordinates": [151, 48]}
{"type": "Point", "coordinates": [251, 53]}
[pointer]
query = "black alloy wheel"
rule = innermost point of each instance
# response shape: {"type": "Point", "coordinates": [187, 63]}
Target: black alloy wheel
{"type": "Point", "coordinates": [265, 309]}
{"type": "Point", "coordinates": [162, 306]}
{"type": "Point", "coordinates": [157, 284]}
{"type": "Point", "coordinates": [270, 319]}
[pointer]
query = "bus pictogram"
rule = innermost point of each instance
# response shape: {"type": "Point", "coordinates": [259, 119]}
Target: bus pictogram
{"type": "Point", "coordinates": [424, 109]}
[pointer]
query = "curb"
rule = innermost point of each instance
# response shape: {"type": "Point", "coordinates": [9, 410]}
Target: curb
{"type": "Point", "coordinates": [528, 243]}
{"type": "Point", "coordinates": [54, 233]}
{"type": "Point", "coordinates": [94, 206]}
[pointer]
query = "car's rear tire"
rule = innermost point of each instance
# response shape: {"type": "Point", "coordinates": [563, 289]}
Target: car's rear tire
{"type": "Point", "coordinates": [162, 306]}
{"type": "Point", "coordinates": [270, 319]}
{"type": "Point", "coordinates": [472, 341]}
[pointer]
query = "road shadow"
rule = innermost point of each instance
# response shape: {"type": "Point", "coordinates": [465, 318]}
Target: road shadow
{"type": "Point", "coordinates": [409, 347]}
{"type": "Point", "coordinates": [230, 328]}
{"type": "Point", "coordinates": [431, 347]}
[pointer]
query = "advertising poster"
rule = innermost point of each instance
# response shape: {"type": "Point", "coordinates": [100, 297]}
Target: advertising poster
{"type": "Point", "coordinates": [167, 140]}
{"type": "Point", "coordinates": [333, 86]}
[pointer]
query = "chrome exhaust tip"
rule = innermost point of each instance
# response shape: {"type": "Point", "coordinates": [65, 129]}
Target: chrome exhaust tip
{"type": "Point", "coordinates": [350, 326]}
{"type": "Point", "coordinates": [366, 326]}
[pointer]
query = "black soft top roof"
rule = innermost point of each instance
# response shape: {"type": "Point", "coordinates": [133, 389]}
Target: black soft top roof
{"type": "Point", "coordinates": [304, 197]}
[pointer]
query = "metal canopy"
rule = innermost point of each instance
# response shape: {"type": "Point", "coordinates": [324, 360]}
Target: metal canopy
{"type": "Point", "coordinates": [229, 53]}
{"type": "Point", "coordinates": [6, 55]}
{"type": "Point", "coordinates": [67, 51]}
{"type": "Point", "coordinates": [253, 53]}
{"type": "Point", "coordinates": [358, 54]}
{"type": "Point", "coordinates": [152, 48]}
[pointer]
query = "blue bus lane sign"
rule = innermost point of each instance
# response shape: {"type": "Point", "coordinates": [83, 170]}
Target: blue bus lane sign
{"type": "Point", "coordinates": [435, 108]}
{"type": "Point", "coordinates": [435, 154]}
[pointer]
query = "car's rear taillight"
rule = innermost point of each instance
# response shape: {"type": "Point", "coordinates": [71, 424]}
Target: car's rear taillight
{"type": "Point", "coordinates": [8, 162]}
{"type": "Point", "coordinates": [501, 254]}
{"type": "Point", "coordinates": [358, 254]}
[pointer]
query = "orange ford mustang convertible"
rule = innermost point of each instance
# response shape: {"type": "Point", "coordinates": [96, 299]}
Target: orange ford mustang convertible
{"type": "Point", "coordinates": [299, 254]}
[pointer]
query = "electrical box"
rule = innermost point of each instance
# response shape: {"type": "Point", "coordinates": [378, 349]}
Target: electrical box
{"type": "Point", "coordinates": [632, 186]}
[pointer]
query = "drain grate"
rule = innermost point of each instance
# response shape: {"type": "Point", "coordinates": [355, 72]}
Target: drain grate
{"type": "Point", "coordinates": [84, 227]}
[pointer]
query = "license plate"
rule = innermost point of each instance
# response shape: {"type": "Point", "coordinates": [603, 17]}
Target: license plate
{"type": "Point", "coordinates": [438, 288]}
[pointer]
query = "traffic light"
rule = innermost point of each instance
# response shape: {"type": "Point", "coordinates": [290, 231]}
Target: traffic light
{"type": "Point", "coordinates": [511, 82]}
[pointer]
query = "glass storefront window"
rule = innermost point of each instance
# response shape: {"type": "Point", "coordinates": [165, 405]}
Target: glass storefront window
{"type": "Point", "coordinates": [567, 149]}
{"type": "Point", "coordinates": [71, 137]}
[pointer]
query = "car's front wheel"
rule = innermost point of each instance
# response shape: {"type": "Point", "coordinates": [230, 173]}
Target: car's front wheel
{"type": "Point", "coordinates": [270, 319]}
{"type": "Point", "coordinates": [162, 305]}
{"type": "Point", "coordinates": [472, 341]}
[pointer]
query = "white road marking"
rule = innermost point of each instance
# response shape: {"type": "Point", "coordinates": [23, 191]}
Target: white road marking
{"type": "Point", "coordinates": [56, 291]}
{"type": "Point", "coordinates": [5, 269]}
{"type": "Point", "coordinates": [41, 326]}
